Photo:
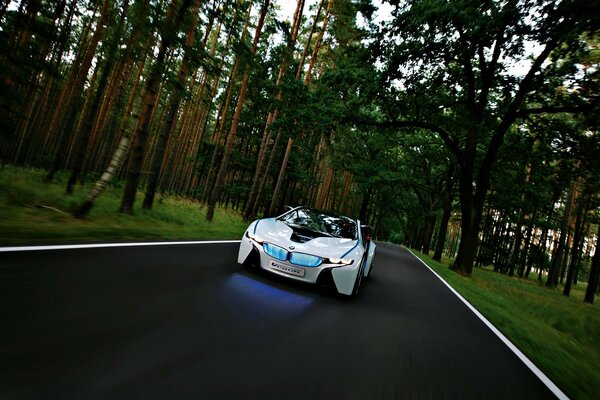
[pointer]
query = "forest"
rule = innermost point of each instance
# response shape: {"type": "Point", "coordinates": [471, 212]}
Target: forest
{"type": "Point", "coordinates": [463, 129]}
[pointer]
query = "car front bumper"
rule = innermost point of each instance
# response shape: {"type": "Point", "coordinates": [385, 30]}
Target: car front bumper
{"type": "Point", "coordinates": [342, 277]}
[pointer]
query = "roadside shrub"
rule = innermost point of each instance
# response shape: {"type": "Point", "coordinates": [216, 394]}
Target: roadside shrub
{"type": "Point", "coordinates": [396, 237]}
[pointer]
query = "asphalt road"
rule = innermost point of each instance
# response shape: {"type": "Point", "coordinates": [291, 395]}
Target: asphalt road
{"type": "Point", "coordinates": [186, 321]}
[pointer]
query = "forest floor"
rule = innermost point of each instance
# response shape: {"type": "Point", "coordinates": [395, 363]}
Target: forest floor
{"type": "Point", "coordinates": [35, 212]}
{"type": "Point", "coordinates": [561, 335]}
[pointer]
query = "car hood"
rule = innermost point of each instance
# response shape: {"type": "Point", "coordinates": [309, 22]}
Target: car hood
{"type": "Point", "coordinates": [276, 232]}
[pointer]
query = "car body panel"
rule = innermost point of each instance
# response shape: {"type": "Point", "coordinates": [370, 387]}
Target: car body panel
{"type": "Point", "coordinates": [276, 233]}
{"type": "Point", "coordinates": [370, 256]}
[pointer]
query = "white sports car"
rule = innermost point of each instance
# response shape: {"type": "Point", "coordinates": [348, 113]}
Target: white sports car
{"type": "Point", "coordinates": [311, 246]}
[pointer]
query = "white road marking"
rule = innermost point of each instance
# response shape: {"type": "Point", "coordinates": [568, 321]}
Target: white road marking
{"type": "Point", "coordinates": [100, 245]}
{"type": "Point", "coordinates": [551, 385]}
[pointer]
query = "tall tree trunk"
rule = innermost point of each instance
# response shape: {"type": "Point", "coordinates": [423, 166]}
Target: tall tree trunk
{"type": "Point", "coordinates": [76, 91]}
{"type": "Point", "coordinates": [236, 117]}
{"type": "Point", "coordinates": [594, 272]}
{"type": "Point", "coordinates": [265, 175]}
{"type": "Point", "coordinates": [526, 247]}
{"type": "Point", "coordinates": [516, 245]}
{"type": "Point", "coordinates": [218, 129]}
{"type": "Point", "coordinates": [275, 197]}
{"type": "Point", "coordinates": [37, 79]}
{"type": "Point", "coordinates": [441, 239]}
{"type": "Point", "coordinates": [90, 114]}
{"type": "Point", "coordinates": [174, 18]}
{"type": "Point", "coordinates": [126, 129]}
{"type": "Point", "coordinates": [113, 167]}
{"type": "Point", "coordinates": [554, 272]}
{"type": "Point", "coordinates": [313, 59]}
{"type": "Point", "coordinates": [250, 210]}
{"type": "Point", "coordinates": [364, 207]}
{"type": "Point", "coordinates": [577, 242]}
{"type": "Point", "coordinates": [428, 233]}
{"type": "Point", "coordinates": [172, 109]}
{"type": "Point", "coordinates": [475, 182]}
{"type": "Point", "coordinates": [308, 40]}
{"type": "Point", "coordinates": [447, 197]}
{"type": "Point", "coordinates": [217, 137]}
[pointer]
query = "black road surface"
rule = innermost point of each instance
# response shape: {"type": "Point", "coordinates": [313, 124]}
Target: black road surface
{"type": "Point", "coordinates": [186, 321]}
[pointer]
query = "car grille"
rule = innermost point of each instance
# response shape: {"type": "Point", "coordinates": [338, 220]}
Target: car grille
{"type": "Point", "coordinates": [300, 259]}
{"type": "Point", "coordinates": [305, 260]}
{"type": "Point", "coordinates": [275, 251]}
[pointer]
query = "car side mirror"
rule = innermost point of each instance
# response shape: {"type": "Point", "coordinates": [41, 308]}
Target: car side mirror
{"type": "Point", "coordinates": [366, 232]}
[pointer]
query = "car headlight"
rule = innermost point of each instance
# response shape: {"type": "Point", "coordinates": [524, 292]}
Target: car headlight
{"type": "Point", "coordinates": [343, 261]}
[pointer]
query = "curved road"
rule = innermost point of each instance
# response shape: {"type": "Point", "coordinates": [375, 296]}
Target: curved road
{"type": "Point", "coordinates": [186, 321]}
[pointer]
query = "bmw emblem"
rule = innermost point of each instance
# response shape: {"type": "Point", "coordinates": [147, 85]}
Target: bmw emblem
{"type": "Point", "coordinates": [292, 247]}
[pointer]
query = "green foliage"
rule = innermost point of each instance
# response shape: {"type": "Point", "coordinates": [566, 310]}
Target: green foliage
{"type": "Point", "coordinates": [560, 335]}
{"type": "Point", "coordinates": [396, 237]}
{"type": "Point", "coordinates": [32, 212]}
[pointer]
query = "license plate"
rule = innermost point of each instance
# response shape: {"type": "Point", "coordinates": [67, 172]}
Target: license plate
{"type": "Point", "coordinates": [289, 270]}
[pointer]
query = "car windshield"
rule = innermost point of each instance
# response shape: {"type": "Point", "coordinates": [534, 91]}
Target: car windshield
{"type": "Point", "coordinates": [320, 222]}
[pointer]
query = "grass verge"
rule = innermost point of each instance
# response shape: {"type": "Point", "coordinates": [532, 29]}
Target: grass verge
{"type": "Point", "coordinates": [561, 335]}
{"type": "Point", "coordinates": [35, 212]}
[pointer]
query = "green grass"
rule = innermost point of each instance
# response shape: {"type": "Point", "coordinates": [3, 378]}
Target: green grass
{"type": "Point", "coordinates": [561, 335]}
{"type": "Point", "coordinates": [35, 212]}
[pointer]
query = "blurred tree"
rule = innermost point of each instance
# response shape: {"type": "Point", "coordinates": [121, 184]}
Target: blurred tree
{"type": "Point", "coordinates": [172, 25]}
{"type": "Point", "coordinates": [218, 186]}
{"type": "Point", "coordinates": [446, 64]}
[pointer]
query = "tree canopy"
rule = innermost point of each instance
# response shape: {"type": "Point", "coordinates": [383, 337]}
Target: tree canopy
{"type": "Point", "coordinates": [467, 128]}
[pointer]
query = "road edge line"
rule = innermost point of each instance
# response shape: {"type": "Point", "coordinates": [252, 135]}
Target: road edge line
{"type": "Point", "coordinates": [100, 245]}
{"type": "Point", "coordinates": [545, 380]}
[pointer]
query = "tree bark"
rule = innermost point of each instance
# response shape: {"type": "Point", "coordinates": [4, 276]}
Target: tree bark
{"type": "Point", "coordinates": [140, 139]}
{"type": "Point", "coordinates": [172, 108]}
{"type": "Point", "coordinates": [577, 242]}
{"type": "Point", "coordinates": [364, 207]}
{"type": "Point", "coordinates": [308, 40]}
{"type": "Point", "coordinates": [554, 272]}
{"type": "Point", "coordinates": [126, 129]}
{"type": "Point", "coordinates": [313, 58]}
{"type": "Point", "coordinates": [428, 232]}
{"type": "Point", "coordinates": [594, 272]}
{"type": "Point", "coordinates": [234, 123]}
{"type": "Point", "coordinates": [275, 197]}
{"type": "Point", "coordinates": [250, 209]}
{"type": "Point", "coordinates": [76, 91]}
{"type": "Point", "coordinates": [113, 167]}
{"type": "Point", "coordinates": [472, 197]}
{"type": "Point", "coordinates": [441, 239]}
{"type": "Point", "coordinates": [91, 111]}
{"type": "Point", "coordinates": [447, 197]}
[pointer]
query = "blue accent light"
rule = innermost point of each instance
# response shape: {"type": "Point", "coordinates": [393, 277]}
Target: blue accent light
{"type": "Point", "coordinates": [256, 226]}
{"type": "Point", "coordinates": [305, 260]}
{"type": "Point", "coordinates": [263, 303]}
{"type": "Point", "coordinates": [348, 252]}
{"type": "Point", "coordinates": [275, 251]}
